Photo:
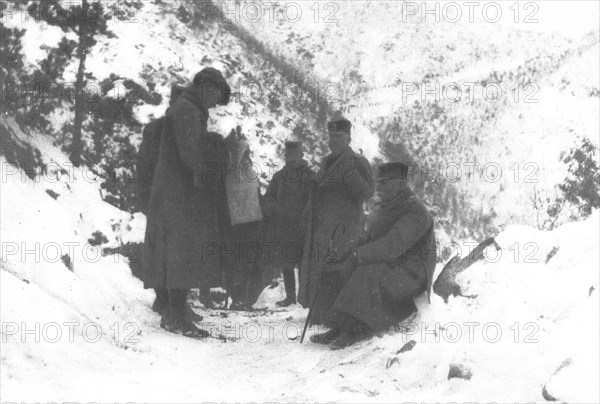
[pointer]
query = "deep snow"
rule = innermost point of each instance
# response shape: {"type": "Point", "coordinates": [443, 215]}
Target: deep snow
{"type": "Point", "coordinates": [547, 314]}
{"type": "Point", "coordinates": [553, 305]}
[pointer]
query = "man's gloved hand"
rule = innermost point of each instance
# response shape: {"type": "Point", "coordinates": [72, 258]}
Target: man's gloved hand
{"type": "Point", "coordinates": [344, 268]}
{"type": "Point", "coordinates": [340, 254]}
{"type": "Point", "coordinates": [346, 253]}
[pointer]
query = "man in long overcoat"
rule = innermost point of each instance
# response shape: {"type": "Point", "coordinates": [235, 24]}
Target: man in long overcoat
{"type": "Point", "coordinates": [285, 200]}
{"type": "Point", "coordinates": [343, 183]}
{"type": "Point", "coordinates": [148, 153]}
{"type": "Point", "coordinates": [388, 268]}
{"type": "Point", "coordinates": [182, 223]}
{"type": "Point", "coordinates": [146, 163]}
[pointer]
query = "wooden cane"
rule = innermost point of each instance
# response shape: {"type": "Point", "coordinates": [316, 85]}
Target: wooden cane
{"type": "Point", "coordinates": [321, 270]}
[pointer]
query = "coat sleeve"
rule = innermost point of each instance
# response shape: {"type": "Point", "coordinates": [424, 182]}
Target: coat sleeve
{"type": "Point", "coordinates": [306, 215]}
{"type": "Point", "coordinates": [399, 240]}
{"type": "Point", "coordinates": [307, 181]}
{"type": "Point", "coordinates": [189, 128]}
{"type": "Point", "coordinates": [360, 180]}
{"type": "Point", "coordinates": [270, 198]}
{"type": "Point", "coordinates": [144, 168]}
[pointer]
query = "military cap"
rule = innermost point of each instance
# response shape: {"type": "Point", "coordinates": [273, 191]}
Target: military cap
{"type": "Point", "coordinates": [393, 170]}
{"type": "Point", "coordinates": [210, 75]}
{"type": "Point", "coordinates": [339, 125]}
{"type": "Point", "coordinates": [293, 144]}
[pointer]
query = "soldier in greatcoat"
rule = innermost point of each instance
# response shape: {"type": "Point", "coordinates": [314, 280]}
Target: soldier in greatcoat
{"type": "Point", "coordinates": [182, 218]}
{"type": "Point", "coordinates": [385, 270]}
{"type": "Point", "coordinates": [286, 198]}
{"type": "Point", "coordinates": [147, 160]}
{"type": "Point", "coordinates": [344, 182]}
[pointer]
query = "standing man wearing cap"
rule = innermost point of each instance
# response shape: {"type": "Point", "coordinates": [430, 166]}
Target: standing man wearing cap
{"type": "Point", "coordinates": [283, 203]}
{"type": "Point", "coordinates": [181, 211]}
{"type": "Point", "coordinates": [344, 182]}
{"type": "Point", "coordinates": [391, 266]}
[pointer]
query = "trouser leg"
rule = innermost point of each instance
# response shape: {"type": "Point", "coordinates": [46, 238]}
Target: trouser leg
{"type": "Point", "coordinates": [289, 281]}
{"type": "Point", "coordinates": [177, 302]}
{"type": "Point", "coordinates": [205, 297]}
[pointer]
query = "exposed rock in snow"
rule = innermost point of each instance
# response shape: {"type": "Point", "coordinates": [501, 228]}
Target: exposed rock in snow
{"type": "Point", "coordinates": [445, 285]}
{"type": "Point", "coordinates": [571, 381]}
{"type": "Point", "coordinates": [460, 370]}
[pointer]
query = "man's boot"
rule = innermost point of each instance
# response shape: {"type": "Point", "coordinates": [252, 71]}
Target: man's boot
{"type": "Point", "coordinates": [176, 320]}
{"type": "Point", "coordinates": [190, 314]}
{"type": "Point", "coordinates": [161, 303]}
{"type": "Point", "coordinates": [237, 299]}
{"type": "Point", "coordinates": [289, 281]}
{"type": "Point", "coordinates": [353, 331]}
{"type": "Point", "coordinates": [205, 298]}
{"type": "Point", "coordinates": [327, 336]}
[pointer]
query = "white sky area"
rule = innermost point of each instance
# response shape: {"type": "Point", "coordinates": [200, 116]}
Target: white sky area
{"type": "Point", "coordinates": [569, 18]}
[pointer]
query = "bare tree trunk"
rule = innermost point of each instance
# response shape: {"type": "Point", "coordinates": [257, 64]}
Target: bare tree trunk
{"type": "Point", "coordinates": [77, 145]}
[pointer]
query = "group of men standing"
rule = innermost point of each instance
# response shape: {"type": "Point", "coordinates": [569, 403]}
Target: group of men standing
{"type": "Point", "coordinates": [358, 278]}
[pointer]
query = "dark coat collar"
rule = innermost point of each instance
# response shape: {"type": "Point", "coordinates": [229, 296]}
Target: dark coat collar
{"type": "Point", "coordinates": [340, 162]}
{"type": "Point", "coordinates": [399, 200]}
{"type": "Point", "coordinates": [302, 163]}
{"type": "Point", "coordinates": [387, 213]}
{"type": "Point", "coordinates": [333, 166]}
{"type": "Point", "coordinates": [332, 159]}
{"type": "Point", "coordinates": [192, 96]}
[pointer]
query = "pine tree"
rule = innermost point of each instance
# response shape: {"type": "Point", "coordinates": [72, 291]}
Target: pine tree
{"type": "Point", "coordinates": [87, 21]}
{"type": "Point", "coordinates": [11, 63]}
{"type": "Point", "coordinates": [582, 185]}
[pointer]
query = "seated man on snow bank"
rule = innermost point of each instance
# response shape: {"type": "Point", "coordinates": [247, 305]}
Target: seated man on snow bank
{"type": "Point", "coordinates": [387, 268]}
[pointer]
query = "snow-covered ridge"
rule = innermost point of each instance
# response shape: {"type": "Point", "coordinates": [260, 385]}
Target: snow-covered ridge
{"type": "Point", "coordinates": [540, 291]}
{"type": "Point", "coordinates": [379, 58]}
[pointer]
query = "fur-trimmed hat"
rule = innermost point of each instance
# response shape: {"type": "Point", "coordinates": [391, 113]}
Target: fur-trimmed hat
{"type": "Point", "coordinates": [211, 76]}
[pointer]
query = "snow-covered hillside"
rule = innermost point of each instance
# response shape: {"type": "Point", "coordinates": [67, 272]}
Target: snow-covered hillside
{"type": "Point", "coordinates": [77, 326]}
{"type": "Point", "coordinates": [375, 59]}
{"type": "Point", "coordinates": [529, 328]}
{"type": "Point", "coordinates": [292, 72]}
{"type": "Point", "coordinates": [157, 44]}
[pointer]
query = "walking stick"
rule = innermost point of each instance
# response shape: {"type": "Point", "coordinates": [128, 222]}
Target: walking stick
{"type": "Point", "coordinates": [321, 268]}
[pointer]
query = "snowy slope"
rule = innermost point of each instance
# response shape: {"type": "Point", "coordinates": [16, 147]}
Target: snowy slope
{"type": "Point", "coordinates": [355, 57]}
{"type": "Point", "coordinates": [256, 356]}
{"type": "Point", "coordinates": [157, 45]}
{"type": "Point", "coordinates": [364, 54]}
